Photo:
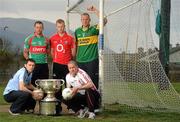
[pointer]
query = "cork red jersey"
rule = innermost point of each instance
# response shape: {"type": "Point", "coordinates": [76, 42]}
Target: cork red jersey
{"type": "Point", "coordinates": [62, 46]}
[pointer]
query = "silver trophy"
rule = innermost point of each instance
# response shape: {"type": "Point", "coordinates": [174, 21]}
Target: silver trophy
{"type": "Point", "coordinates": [50, 87]}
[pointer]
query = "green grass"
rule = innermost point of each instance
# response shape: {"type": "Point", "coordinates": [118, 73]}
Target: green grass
{"type": "Point", "coordinates": [177, 87]}
{"type": "Point", "coordinates": [107, 116]}
{"type": "Point", "coordinates": [147, 95]}
{"type": "Point", "coordinates": [2, 102]}
{"type": "Point", "coordinates": [115, 114]}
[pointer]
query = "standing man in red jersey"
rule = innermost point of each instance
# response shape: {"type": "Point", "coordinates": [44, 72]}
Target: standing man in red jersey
{"type": "Point", "coordinates": [36, 48]}
{"type": "Point", "coordinates": [63, 50]}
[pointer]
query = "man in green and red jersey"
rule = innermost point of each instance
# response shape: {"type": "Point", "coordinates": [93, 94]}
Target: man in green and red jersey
{"type": "Point", "coordinates": [87, 46]}
{"type": "Point", "coordinates": [36, 48]}
{"type": "Point", "coordinates": [63, 50]}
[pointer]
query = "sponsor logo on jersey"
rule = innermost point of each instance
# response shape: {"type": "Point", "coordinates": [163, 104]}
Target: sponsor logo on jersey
{"type": "Point", "coordinates": [38, 49]}
{"type": "Point", "coordinates": [87, 40]}
{"type": "Point", "coordinates": [60, 48]}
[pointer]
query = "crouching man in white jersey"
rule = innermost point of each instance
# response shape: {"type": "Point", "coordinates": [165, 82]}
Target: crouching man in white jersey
{"type": "Point", "coordinates": [85, 95]}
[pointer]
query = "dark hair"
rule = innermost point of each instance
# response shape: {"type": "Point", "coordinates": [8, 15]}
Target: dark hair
{"type": "Point", "coordinates": [30, 60]}
{"type": "Point", "coordinates": [60, 21]}
{"type": "Point", "coordinates": [38, 22]}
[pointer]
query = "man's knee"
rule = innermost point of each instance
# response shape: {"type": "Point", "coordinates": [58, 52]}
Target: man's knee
{"type": "Point", "coordinates": [25, 95]}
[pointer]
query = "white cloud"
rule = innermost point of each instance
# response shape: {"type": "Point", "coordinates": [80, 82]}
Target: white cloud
{"type": "Point", "coordinates": [44, 9]}
{"type": "Point", "coordinates": [51, 10]}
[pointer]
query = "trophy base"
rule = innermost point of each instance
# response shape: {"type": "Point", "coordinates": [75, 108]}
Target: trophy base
{"type": "Point", "coordinates": [48, 107]}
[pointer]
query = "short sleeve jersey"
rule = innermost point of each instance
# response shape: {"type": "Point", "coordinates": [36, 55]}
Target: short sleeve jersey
{"type": "Point", "coordinates": [80, 79]}
{"type": "Point", "coordinates": [62, 47]}
{"type": "Point", "coordinates": [37, 47]}
{"type": "Point", "coordinates": [20, 75]}
{"type": "Point", "coordinates": [87, 44]}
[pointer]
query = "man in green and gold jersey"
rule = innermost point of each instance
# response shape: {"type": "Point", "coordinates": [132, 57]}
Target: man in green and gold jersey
{"type": "Point", "coordinates": [36, 48]}
{"type": "Point", "coordinates": [87, 46]}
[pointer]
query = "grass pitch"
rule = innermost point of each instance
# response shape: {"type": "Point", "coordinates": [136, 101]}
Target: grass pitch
{"type": "Point", "coordinates": [115, 114]}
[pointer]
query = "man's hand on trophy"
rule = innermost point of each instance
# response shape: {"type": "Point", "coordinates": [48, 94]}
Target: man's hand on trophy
{"type": "Point", "coordinates": [38, 94]}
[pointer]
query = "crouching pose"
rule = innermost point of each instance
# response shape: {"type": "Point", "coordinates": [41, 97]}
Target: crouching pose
{"type": "Point", "coordinates": [19, 90]}
{"type": "Point", "coordinates": [85, 95]}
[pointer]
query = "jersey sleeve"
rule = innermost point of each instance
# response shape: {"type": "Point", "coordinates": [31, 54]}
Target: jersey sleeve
{"type": "Point", "coordinates": [67, 81]}
{"type": "Point", "coordinates": [72, 42]}
{"type": "Point", "coordinates": [22, 77]}
{"type": "Point", "coordinates": [30, 78]}
{"type": "Point", "coordinates": [75, 35]}
{"type": "Point", "coordinates": [96, 29]}
{"type": "Point", "coordinates": [84, 78]}
{"type": "Point", "coordinates": [26, 43]}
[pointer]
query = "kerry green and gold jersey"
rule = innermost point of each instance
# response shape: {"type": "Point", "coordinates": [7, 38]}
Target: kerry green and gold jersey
{"type": "Point", "coordinates": [87, 44]}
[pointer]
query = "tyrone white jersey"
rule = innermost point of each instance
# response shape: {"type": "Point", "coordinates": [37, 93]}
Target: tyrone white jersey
{"type": "Point", "coordinates": [79, 80]}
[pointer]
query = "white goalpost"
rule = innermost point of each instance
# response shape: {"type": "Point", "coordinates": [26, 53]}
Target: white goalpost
{"type": "Point", "coordinates": [101, 48]}
{"type": "Point", "coordinates": [130, 73]}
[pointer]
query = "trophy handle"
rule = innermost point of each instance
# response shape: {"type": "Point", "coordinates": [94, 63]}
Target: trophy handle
{"type": "Point", "coordinates": [60, 84]}
{"type": "Point", "coordinates": [37, 82]}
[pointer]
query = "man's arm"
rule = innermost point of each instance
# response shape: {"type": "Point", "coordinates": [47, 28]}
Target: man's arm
{"type": "Point", "coordinates": [86, 86]}
{"type": "Point", "coordinates": [73, 49]}
{"type": "Point", "coordinates": [52, 52]}
{"type": "Point", "coordinates": [86, 81]}
{"type": "Point", "coordinates": [30, 86]}
{"type": "Point", "coordinates": [23, 87]}
{"type": "Point", "coordinates": [96, 11]}
{"type": "Point", "coordinates": [51, 48]}
{"type": "Point", "coordinates": [67, 83]}
{"type": "Point", "coordinates": [83, 87]}
{"type": "Point", "coordinates": [26, 54]}
{"type": "Point", "coordinates": [48, 46]}
{"type": "Point", "coordinates": [26, 48]}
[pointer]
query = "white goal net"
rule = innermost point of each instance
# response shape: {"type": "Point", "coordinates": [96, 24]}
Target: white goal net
{"type": "Point", "coordinates": [133, 74]}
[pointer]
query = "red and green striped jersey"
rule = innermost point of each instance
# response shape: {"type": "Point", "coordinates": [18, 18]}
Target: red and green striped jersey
{"type": "Point", "coordinates": [37, 48]}
{"type": "Point", "coordinates": [87, 44]}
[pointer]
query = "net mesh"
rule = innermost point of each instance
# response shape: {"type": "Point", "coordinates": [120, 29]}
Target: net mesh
{"type": "Point", "coordinates": [133, 75]}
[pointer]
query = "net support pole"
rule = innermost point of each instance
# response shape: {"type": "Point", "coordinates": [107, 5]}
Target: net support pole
{"type": "Point", "coordinates": [165, 40]}
{"type": "Point", "coordinates": [67, 17]}
{"type": "Point", "coordinates": [74, 6]}
{"type": "Point", "coordinates": [69, 9]}
{"type": "Point", "coordinates": [165, 34]}
{"type": "Point", "coordinates": [120, 9]}
{"type": "Point", "coordinates": [101, 48]}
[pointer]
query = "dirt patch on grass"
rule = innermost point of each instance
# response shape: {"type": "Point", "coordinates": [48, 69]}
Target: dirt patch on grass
{"type": "Point", "coordinates": [5, 108]}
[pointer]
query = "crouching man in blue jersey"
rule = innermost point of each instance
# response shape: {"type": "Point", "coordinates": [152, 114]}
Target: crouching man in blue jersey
{"type": "Point", "coordinates": [19, 90]}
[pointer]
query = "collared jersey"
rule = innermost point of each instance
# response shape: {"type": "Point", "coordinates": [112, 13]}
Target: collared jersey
{"type": "Point", "coordinates": [87, 44]}
{"type": "Point", "coordinates": [80, 79]}
{"type": "Point", "coordinates": [37, 47]}
{"type": "Point", "coordinates": [62, 47]}
{"type": "Point", "coordinates": [20, 75]}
